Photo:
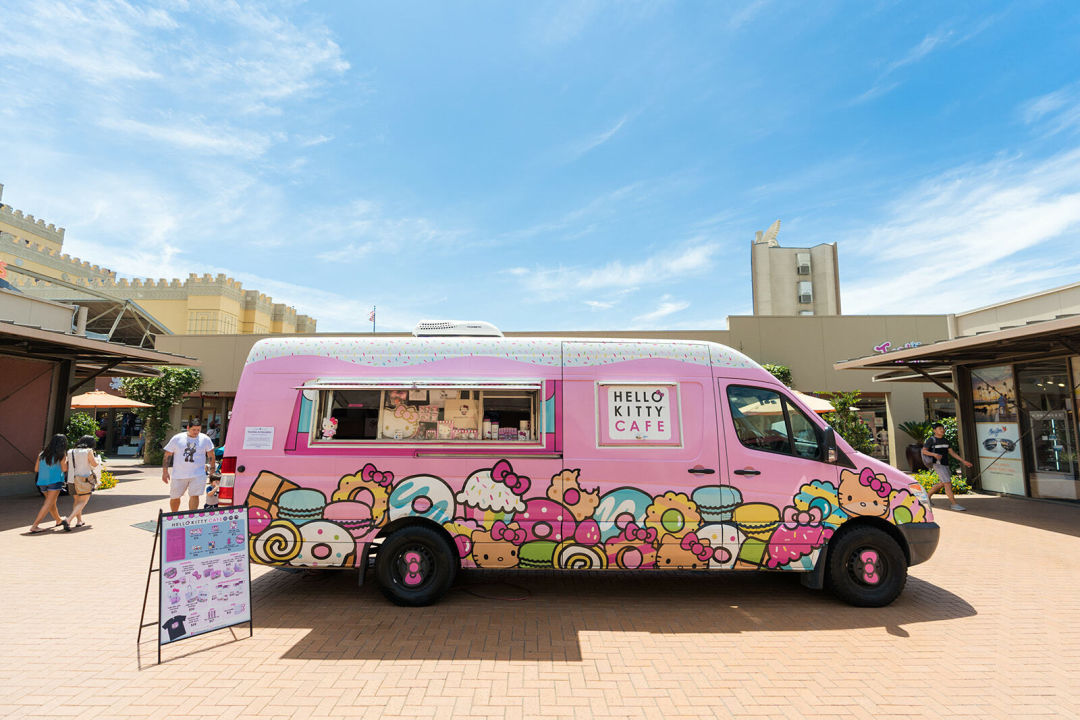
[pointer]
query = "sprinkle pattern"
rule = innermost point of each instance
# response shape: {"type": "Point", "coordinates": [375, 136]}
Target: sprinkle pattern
{"type": "Point", "coordinates": [402, 352]}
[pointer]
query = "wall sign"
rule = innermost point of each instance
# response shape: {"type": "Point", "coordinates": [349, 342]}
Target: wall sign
{"type": "Point", "coordinates": [644, 414]}
{"type": "Point", "coordinates": [258, 438]}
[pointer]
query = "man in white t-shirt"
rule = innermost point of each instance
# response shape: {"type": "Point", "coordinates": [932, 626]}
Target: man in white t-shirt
{"type": "Point", "coordinates": [188, 454]}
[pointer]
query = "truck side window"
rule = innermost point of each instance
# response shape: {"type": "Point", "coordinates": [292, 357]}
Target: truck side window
{"type": "Point", "coordinates": [765, 420]}
{"type": "Point", "coordinates": [759, 419]}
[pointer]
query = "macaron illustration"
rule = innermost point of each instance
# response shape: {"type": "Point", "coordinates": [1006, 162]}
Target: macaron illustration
{"type": "Point", "coordinates": [757, 520]}
{"type": "Point", "coordinates": [537, 554]}
{"type": "Point", "coordinates": [301, 506]}
{"type": "Point", "coordinates": [353, 516]}
{"type": "Point", "coordinates": [716, 503]}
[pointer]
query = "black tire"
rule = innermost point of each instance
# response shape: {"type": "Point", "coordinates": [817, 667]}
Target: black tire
{"type": "Point", "coordinates": [415, 566]}
{"type": "Point", "coordinates": [866, 567]}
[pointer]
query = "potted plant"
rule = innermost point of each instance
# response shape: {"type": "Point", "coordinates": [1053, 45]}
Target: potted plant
{"type": "Point", "coordinates": [919, 430]}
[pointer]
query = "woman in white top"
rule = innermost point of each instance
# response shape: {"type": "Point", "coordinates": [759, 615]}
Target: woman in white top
{"type": "Point", "coordinates": [81, 463]}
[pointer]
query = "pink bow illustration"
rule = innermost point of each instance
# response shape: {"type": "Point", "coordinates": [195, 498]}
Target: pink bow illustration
{"type": "Point", "coordinates": [793, 517]}
{"type": "Point", "coordinates": [699, 548]}
{"type": "Point", "coordinates": [371, 475]}
{"type": "Point", "coordinates": [502, 531]}
{"type": "Point", "coordinates": [640, 534]}
{"type": "Point", "coordinates": [518, 484]}
{"type": "Point", "coordinates": [870, 480]}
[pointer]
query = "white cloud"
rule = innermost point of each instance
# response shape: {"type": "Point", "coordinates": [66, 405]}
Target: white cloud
{"type": "Point", "coordinates": [194, 134]}
{"type": "Point", "coordinates": [667, 307]}
{"type": "Point", "coordinates": [963, 239]}
{"type": "Point", "coordinates": [599, 304]}
{"type": "Point", "coordinates": [1056, 111]}
{"type": "Point", "coordinates": [364, 228]}
{"type": "Point", "coordinates": [596, 141]}
{"type": "Point", "coordinates": [883, 85]}
{"type": "Point", "coordinates": [694, 259]}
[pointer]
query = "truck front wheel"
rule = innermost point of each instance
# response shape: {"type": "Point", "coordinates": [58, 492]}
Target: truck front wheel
{"type": "Point", "coordinates": [415, 566]}
{"type": "Point", "coordinates": [866, 567]}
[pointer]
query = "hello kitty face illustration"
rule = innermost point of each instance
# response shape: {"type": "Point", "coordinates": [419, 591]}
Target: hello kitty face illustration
{"type": "Point", "coordinates": [864, 493]}
{"type": "Point", "coordinates": [499, 547]}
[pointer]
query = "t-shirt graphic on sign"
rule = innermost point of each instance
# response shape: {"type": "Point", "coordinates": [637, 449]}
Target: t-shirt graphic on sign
{"type": "Point", "coordinates": [175, 626]}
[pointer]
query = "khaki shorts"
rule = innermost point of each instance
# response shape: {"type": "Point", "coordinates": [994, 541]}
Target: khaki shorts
{"type": "Point", "coordinates": [193, 486]}
{"type": "Point", "coordinates": [943, 473]}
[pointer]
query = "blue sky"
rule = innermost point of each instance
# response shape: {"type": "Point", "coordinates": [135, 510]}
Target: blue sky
{"type": "Point", "coordinates": [547, 166]}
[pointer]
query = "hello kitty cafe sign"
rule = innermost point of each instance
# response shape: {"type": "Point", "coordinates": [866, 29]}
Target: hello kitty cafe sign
{"type": "Point", "coordinates": [638, 414]}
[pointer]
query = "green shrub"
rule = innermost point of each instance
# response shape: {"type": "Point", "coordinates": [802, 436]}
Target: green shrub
{"type": "Point", "coordinates": [917, 429]}
{"type": "Point", "coordinates": [929, 478]}
{"type": "Point", "coordinates": [161, 393]}
{"type": "Point", "coordinates": [780, 372]}
{"type": "Point", "coordinates": [80, 424]}
{"type": "Point", "coordinates": [847, 422]}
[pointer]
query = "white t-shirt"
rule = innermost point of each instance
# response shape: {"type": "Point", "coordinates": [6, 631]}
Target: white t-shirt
{"type": "Point", "coordinates": [189, 454]}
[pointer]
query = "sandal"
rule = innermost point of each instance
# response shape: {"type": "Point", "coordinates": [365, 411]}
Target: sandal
{"type": "Point", "coordinates": [35, 531]}
{"type": "Point", "coordinates": [82, 524]}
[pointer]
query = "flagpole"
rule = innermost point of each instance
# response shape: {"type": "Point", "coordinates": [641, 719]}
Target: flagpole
{"type": "Point", "coordinates": [372, 319]}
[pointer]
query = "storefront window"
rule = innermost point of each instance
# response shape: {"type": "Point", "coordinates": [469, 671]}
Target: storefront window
{"type": "Point", "coordinates": [997, 429]}
{"type": "Point", "coordinates": [1049, 423]}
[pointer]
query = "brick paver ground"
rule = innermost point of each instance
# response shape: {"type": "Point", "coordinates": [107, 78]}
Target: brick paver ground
{"type": "Point", "coordinates": [989, 628]}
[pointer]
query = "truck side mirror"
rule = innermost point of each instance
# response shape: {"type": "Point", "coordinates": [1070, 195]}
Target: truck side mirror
{"type": "Point", "coordinates": [829, 442]}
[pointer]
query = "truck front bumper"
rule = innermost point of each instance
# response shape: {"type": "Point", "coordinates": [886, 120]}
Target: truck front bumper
{"type": "Point", "coordinates": [922, 540]}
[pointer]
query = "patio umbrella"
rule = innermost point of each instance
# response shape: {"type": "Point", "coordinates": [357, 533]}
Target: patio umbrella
{"type": "Point", "coordinates": [814, 403]}
{"type": "Point", "coordinates": [772, 407]}
{"type": "Point", "coordinates": [100, 400]}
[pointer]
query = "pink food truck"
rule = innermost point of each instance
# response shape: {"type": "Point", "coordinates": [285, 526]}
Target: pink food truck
{"type": "Point", "coordinates": [461, 448]}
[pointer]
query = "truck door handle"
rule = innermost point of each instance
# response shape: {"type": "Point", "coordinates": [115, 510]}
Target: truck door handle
{"type": "Point", "coordinates": [747, 472]}
{"type": "Point", "coordinates": [701, 470]}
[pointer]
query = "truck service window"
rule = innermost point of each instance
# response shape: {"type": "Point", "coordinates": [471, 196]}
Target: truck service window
{"type": "Point", "coordinates": [429, 414]}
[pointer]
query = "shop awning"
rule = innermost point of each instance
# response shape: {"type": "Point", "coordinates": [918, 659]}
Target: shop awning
{"type": "Point", "coordinates": [91, 357]}
{"type": "Point", "coordinates": [1059, 336]}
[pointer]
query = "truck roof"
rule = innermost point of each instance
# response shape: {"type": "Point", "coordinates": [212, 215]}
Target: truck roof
{"type": "Point", "coordinates": [550, 351]}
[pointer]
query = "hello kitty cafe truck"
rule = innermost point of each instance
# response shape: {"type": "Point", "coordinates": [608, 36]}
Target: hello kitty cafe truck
{"type": "Point", "coordinates": [438, 452]}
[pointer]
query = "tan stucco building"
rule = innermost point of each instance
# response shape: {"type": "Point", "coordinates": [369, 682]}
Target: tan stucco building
{"type": "Point", "coordinates": [791, 280]}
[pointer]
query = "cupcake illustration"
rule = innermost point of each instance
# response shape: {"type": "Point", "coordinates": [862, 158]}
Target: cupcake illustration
{"type": "Point", "coordinates": [493, 494]}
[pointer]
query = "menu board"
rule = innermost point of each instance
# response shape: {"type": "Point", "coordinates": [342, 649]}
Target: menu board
{"type": "Point", "coordinates": [205, 572]}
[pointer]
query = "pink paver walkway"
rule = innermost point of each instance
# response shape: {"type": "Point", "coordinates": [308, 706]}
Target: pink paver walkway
{"type": "Point", "coordinates": [989, 628]}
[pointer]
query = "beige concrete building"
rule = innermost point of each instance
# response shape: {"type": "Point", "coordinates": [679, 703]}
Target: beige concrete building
{"type": "Point", "coordinates": [197, 305]}
{"type": "Point", "coordinates": [793, 281]}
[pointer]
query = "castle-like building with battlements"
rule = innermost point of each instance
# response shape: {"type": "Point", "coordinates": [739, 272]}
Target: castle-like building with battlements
{"type": "Point", "coordinates": [196, 305]}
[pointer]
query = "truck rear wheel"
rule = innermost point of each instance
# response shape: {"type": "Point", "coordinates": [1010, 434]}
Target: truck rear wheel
{"type": "Point", "coordinates": [415, 566]}
{"type": "Point", "coordinates": [866, 567]}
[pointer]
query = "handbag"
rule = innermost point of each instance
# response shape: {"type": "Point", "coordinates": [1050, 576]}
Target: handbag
{"type": "Point", "coordinates": [84, 485]}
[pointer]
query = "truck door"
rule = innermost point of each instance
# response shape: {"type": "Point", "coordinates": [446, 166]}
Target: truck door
{"type": "Point", "coordinates": [775, 455]}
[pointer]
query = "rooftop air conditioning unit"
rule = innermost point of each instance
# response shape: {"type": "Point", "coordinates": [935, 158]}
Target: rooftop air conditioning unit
{"type": "Point", "coordinates": [802, 263]}
{"type": "Point", "coordinates": [455, 328]}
